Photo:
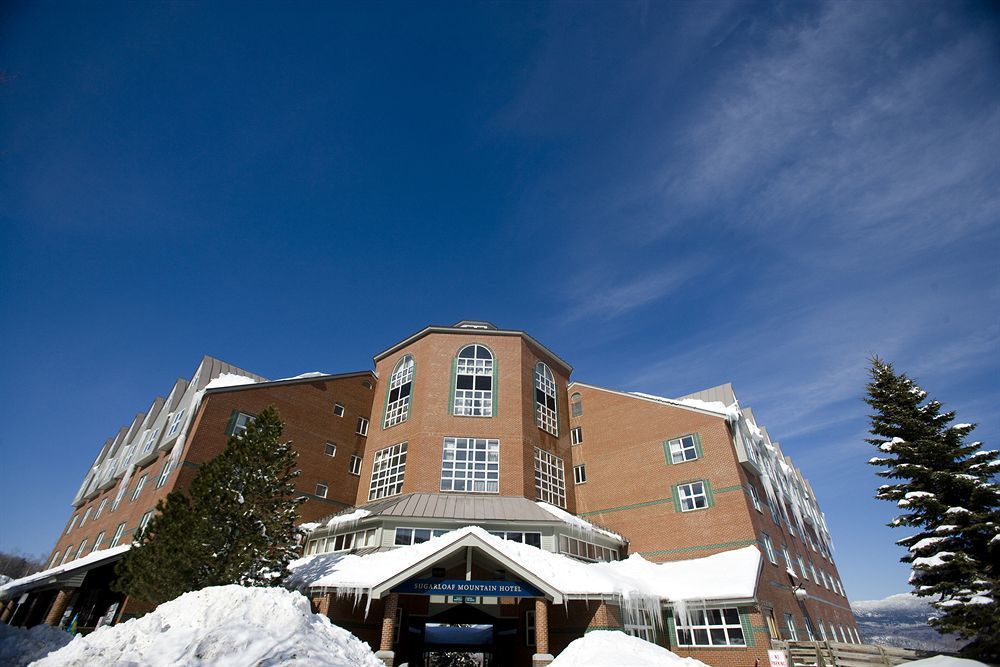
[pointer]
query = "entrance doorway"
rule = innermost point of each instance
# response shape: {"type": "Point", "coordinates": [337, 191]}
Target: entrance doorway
{"type": "Point", "coordinates": [458, 645]}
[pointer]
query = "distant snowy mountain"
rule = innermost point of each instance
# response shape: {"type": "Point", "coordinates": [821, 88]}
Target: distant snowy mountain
{"type": "Point", "coordinates": [901, 620]}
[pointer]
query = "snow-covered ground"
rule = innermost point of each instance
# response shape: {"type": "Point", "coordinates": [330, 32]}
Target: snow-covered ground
{"type": "Point", "coordinates": [20, 646]}
{"type": "Point", "coordinates": [223, 626]}
{"type": "Point", "coordinates": [901, 620]}
{"type": "Point", "coordinates": [613, 648]}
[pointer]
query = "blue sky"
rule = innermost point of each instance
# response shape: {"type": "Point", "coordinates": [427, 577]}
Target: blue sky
{"type": "Point", "coordinates": [669, 195]}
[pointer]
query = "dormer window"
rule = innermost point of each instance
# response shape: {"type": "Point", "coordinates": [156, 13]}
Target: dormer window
{"type": "Point", "coordinates": [397, 407]}
{"type": "Point", "coordinates": [546, 416]}
{"type": "Point", "coordinates": [473, 382]}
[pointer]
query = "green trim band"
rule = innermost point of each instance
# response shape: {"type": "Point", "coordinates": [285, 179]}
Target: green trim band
{"type": "Point", "coordinates": [623, 508]}
{"type": "Point", "coordinates": [662, 552]}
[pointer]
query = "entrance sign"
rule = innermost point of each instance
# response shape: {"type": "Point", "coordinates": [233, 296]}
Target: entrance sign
{"type": "Point", "coordinates": [515, 589]}
{"type": "Point", "coordinates": [777, 658]}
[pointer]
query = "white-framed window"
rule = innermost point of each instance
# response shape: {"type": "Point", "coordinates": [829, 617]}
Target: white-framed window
{"type": "Point", "coordinates": [116, 501]}
{"type": "Point", "coordinates": [692, 496]}
{"type": "Point", "coordinates": [338, 410]}
{"type": "Point", "coordinates": [362, 428]}
{"type": "Point", "coordinates": [144, 521]}
{"type": "Point", "coordinates": [534, 539]}
{"type": "Point", "coordinates": [683, 449]}
{"type": "Point", "coordinates": [404, 537]}
{"type": "Point", "coordinates": [349, 541]}
{"type": "Point", "coordinates": [788, 559]}
{"type": "Point", "coordinates": [754, 498]}
{"type": "Point", "coordinates": [471, 465]}
{"type": "Point", "coordinates": [168, 467]}
{"type": "Point", "coordinates": [397, 406]}
{"type": "Point", "coordinates": [473, 382]}
{"type": "Point", "coordinates": [576, 435]}
{"type": "Point", "coordinates": [83, 545]}
{"type": "Point", "coordinates": [809, 629]}
{"type": "Point", "coordinates": [802, 568]}
{"type": "Point", "coordinates": [72, 523]}
{"type": "Point", "coordinates": [576, 405]}
{"type": "Point", "coordinates": [546, 412]}
{"type": "Point", "coordinates": [550, 478]}
{"type": "Point", "coordinates": [150, 441]}
{"type": "Point", "coordinates": [138, 488]}
{"type": "Point", "coordinates": [52, 563]}
{"type": "Point", "coordinates": [812, 569]}
{"type": "Point", "coordinates": [98, 541]}
{"type": "Point", "coordinates": [100, 509]}
{"type": "Point", "coordinates": [85, 515]}
{"type": "Point", "coordinates": [330, 449]}
{"type": "Point", "coordinates": [857, 637]}
{"type": "Point", "coordinates": [354, 464]}
{"type": "Point", "coordinates": [238, 423]}
{"type": "Point", "coordinates": [65, 557]}
{"type": "Point", "coordinates": [118, 535]}
{"type": "Point", "coordinates": [529, 627]}
{"type": "Point", "coordinates": [769, 548]}
{"type": "Point", "coordinates": [822, 630]}
{"type": "Point", "coordinates": [843, 635]}
{"type": "Point", "coordinates": [772, 627]}
{"type": "Point", "coordinates": [387, 472]}
{"type": "Point", "coordinates": [175, 424]}
{"type": "Point", "coordinates": [833, 631]}
{"type": "Point", "coordinates": [709, 627]}
{"type": "Point", "coordinates": [321, 490]}
{"type": "Point", "coordinates": [639, 623]}
{"type": "Point", "coordinates": [572, 546]}
{"type": "Point", "coordinates": [580, 474]}
{"type": "Point", "coordinates": [793, 634]}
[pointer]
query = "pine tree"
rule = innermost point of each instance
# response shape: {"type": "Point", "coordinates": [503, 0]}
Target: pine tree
{"type": "Point", "coordinates": [945, 488]}
{"type": "Point", "coordinates": [237, 526]}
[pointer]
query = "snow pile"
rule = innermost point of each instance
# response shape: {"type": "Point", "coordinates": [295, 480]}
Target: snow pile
{"type": "Point", "coordinates": [92, 557]}
{"type": "Point", "coordinates": [223, 626]}
{"type": "Point", "coordinates": [945, 661]}
{"type": "Point", "coordinates": [20, 646]}
{"type": "Point", "coordinates": [727, 575]}
{"type": "Point", "coordinates": [613, 648]}
{"type": "Point", "coordinates": [229, 380]}
{"type": "Point", "coordinates": [574, 520]}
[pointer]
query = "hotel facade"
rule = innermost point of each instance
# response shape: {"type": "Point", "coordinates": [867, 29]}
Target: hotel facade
{"type": "Point", "coordinates": [471, 425]}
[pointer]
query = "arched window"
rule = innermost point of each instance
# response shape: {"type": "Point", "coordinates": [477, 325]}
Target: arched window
{"type": "Point", "coordinates": [473, 382]}
{"type": "Point", "coordinates": [397, 407]}
{"type": "Point", "coordinates": [576, 405]}
{"type": "Point", "coordinates": [545, 399]}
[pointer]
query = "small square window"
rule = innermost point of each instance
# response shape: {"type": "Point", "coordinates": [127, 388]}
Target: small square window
{"type": "Point", "coordinates": [692, 496]}
{"type": "Point", "coordinates": [330, 449]}
{"type": "Point", "coordinates": [362, 426]}
{"type": "Point", "coordinates": [683, 449]}
{"type": "Point", "coordinates": [354, 465]}
{"type": "Point", "coordinates": [580, 474]}
{"type": "Point", "coordinates": [576, 435]}
{"type": "Point", "coordinates": [338, 410]}
{"type": "Point", "coordinates": [238, 423]}
{"type": "Point", "coordinates": [321, 490]}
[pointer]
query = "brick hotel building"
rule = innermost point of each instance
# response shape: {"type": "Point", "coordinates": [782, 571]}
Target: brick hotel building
{"type": "Point", "coordinates": [475, 425]}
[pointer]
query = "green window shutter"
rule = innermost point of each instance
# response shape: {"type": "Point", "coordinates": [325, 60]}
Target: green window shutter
{"type": "Point", "coordinates": [677, 498]}
{"type": "Point", "coordinates": [231, 426]}
{"type": "Point", "coordinates": [697, 445]}
{"type": "Point", "coordinates": [666, 452]}
{"type": "Point", "coordinates": [451, 393]}
{"type": "Point", "coordinates": [671, 629]}
{"type": "Point", "coordinates": [413, 391]}
{"type": "Point", "coordinates": [709, 496]}
{"type": "Point", "coordinates": [385, 402]}
{"type": "Point", "coordinates": [747, 627]}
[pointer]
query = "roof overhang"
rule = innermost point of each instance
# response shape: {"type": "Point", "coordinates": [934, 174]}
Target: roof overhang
{"type": "Point", "coordinates": [62, 576]}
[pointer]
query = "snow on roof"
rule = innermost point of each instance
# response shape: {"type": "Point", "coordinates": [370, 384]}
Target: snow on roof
{"type": "Point", "coordinates": [302, 376]}
{"type": "Point", "coordinates": [222, 626]}
{"type": "Point", "coordinates": [59, 569]}
{"type": "Point", "coordinates": [574, 520]}
{"type": "Point", "coordinates": [727, 575]}
{"type": "Point", "coordinates": [350, 517]}
{"type": "Point", "coordinates": [731, 412]}
{"type": "Point", "coordinates": [229, 380]}
{"type": "Point", "coordinates": [614, 648]}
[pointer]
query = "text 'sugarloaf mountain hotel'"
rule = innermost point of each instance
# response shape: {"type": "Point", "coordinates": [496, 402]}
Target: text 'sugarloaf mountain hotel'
{"type": "Point", "coordinates": [490, 504]}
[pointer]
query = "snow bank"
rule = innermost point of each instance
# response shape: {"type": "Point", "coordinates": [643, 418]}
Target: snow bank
{"type": "Point", "coordinates": [944, 661]}
{"type": "Point", "coordinates": [229, 380]}
{"type": "Point", "coordinates": [728, 575]}
{"type": "Point", "coordinates": [613, 648]}
{"type": "Point", "coordinates": [223, 626]}
{"type": "Point", "coordinates": [20, 646]}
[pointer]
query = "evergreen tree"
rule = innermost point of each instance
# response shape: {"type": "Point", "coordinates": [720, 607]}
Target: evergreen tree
{"type": "Point", "coordinates": [237, 526]}
{"type": "Point", "coordinates": [946, 490]}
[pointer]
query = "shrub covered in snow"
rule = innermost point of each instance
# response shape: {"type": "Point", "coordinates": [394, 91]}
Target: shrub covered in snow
{"type": "Point", "coordinates": [20, 646]}
{"type": "Point", "coordinates": [603, 648]}
{"type": "Point", "coordinates": [223, 626]}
